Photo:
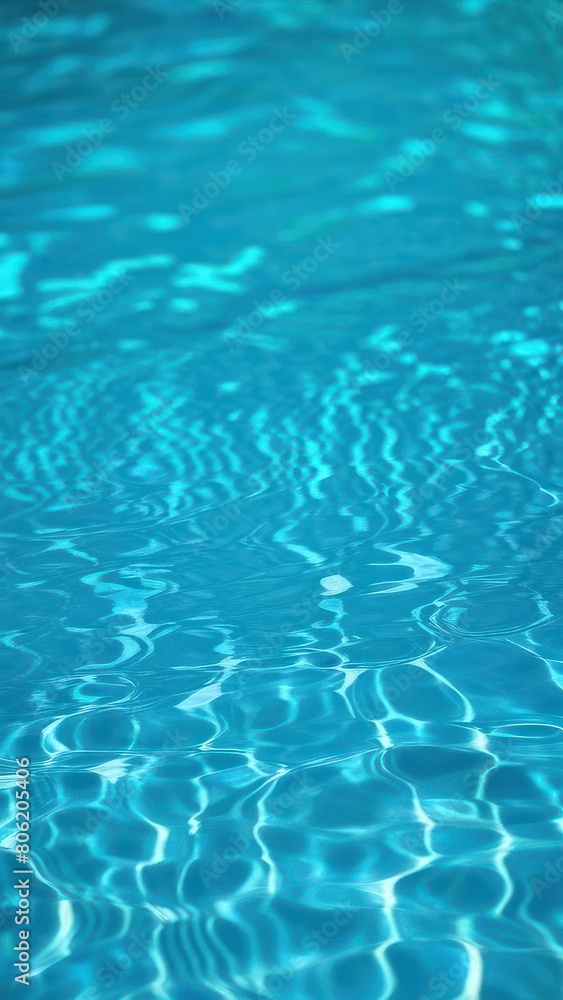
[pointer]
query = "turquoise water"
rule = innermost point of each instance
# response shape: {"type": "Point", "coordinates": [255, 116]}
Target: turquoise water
{"type": "Point", "coordinates": [282, 519]}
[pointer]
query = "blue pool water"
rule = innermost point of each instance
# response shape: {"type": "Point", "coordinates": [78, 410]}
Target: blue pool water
{"type": "Point", "coordinates": [282, 519]}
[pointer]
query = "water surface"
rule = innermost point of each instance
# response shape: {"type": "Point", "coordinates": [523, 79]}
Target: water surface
{"type": "Point", "coordinates": [283, 515]}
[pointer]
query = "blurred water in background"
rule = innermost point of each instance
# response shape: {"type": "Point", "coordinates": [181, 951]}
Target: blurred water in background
{"type": "Point", "coordinates": [282, 520]}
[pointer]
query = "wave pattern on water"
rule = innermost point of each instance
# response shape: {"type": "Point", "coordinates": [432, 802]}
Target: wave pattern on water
{"type": "Point", "coordinates": [284, 571]}
{"type": "Point", "coordinates": [303, 680]}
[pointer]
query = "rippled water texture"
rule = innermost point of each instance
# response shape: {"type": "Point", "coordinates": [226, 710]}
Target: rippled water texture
{"type": "Point", "coordinates": [282, 526]}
